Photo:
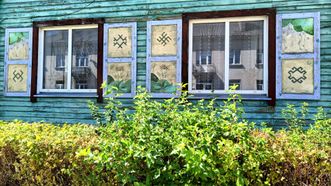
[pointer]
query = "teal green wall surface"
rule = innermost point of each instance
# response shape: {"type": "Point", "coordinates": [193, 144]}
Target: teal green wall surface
{"type": "Point", "coordinates": [21, 13]}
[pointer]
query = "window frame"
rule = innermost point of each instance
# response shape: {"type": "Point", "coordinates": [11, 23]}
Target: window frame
{"type": "Point", "coordinates": [37, 25]}
{"type": "Point", "coordinates": [40, 82]}
{"type": "Point", "coordinates": [270, 98]}
{"type": "Point", "coordinates": [227, 64]}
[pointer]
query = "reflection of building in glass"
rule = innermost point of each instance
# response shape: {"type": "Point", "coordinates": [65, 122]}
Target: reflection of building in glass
{"type": "Point", "coordinates": [236, 82]}
{"type": "Point", "coordinates": [259, 84]}
{"type": "Point", "coordinates": [83, 67]}
{"type": "Point", "coordinates": [245, 55]}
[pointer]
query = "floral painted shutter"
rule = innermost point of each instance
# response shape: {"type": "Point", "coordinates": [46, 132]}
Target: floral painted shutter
{"type": "Point", "coordinates": [298, 56]}
{"type": "Point", "coordinates": [164, 39]}
{"type": "Point", "coordinates": [18, 56]}
{"type": "Point", "coordinates": [120, 58]}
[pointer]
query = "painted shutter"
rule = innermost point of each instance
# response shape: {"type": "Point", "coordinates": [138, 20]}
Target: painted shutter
{"type": "Point", "coordinates": [120, 58]}
{"type": "Point", "coordinates": [164, 50]}
{"type": "Point", "coordinates": [298, 56]}
{"type": "Point", "coordinates": [18, 57]}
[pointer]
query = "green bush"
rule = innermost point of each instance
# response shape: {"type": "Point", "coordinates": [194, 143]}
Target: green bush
{"type": "Point", "coordinates": [44, 154]}
{"type": "Point", "coordinates": [178, 142]}
{"type": "Point", "coordinates": [174, 141]}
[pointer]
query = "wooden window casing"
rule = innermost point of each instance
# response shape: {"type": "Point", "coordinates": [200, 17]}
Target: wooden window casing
{"type": "Point", "coordinates": [271, 13]}
{"type": "Point", "coordinates": [35, 48]}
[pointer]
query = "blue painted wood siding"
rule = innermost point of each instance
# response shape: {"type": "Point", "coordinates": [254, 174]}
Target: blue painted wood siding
{"type": "Point", "coordinates": [19, 13]}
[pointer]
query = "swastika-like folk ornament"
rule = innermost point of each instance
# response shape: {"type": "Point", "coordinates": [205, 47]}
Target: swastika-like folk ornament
{"type": "Point", "coordinates": [164, 40]}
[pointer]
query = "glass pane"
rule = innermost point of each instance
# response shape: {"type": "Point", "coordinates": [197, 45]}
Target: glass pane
{"type": "Point", "coordinates": [84, 58]}
{"type": "Point", "coordinates": [119, 77]}
{"type": "Point", "coordinates": [55, 59]}
{"type": "Point", "coordinates": [163, 77]}
{"type": "Point", "coordinates": [208, 56]}
{"type": "Point", "coordinates": [246, 55]}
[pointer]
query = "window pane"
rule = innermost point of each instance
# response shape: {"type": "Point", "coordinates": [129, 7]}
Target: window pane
{"type": "Point", "coordinates": [84, 58]}
{"type": "Point", "coordinates": [208, 56]}
{"type": "Point", "coordinates": [246, 54]}
{"type": "Point", "coordinates": [55, 59]}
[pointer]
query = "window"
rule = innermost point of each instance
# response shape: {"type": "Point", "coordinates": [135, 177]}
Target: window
{"type": "Point", "coordinates": [60, 62]}
{"type": "Point", "coordinates": [203, 58]}
{"type": "Point", "coordinates": [234, 57]}
{"type": "Point", "coordinates": [59, 84]}
{"type": "Point", "coordinates": [259, 84]}
{"type": "Point", "coordinates": [259, 57]}
{"type": "Point", "coordinates": [235, 82]}
{"type": "Point", "coordinates": [82, 84]}
{"type": "Point", "coordinates": [226, 51]}
{"type": "Point", "coordinates": [68, 59]}
{"type": "Point", "coordinates": [82, 60]}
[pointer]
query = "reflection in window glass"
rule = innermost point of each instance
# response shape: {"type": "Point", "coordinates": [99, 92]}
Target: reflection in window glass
{"type": "Point", "coordinates": [84, 58]}
{"type": "Point", "coordinates": [246, 37]}
{"type": "Point", "coordinates": [233, 82]}
{"type": "Point", "coordinates": [259, 84]}
{"type": "Point", "coordinates": [55, 57]}
{"type": "Point", "coordinates": [208, 56]}
{"type": "Point", "coordinates": [234, 57]}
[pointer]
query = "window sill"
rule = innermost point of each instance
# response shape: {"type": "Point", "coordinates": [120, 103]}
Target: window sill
{"type": "Point", "coordinates": [261, 97]}
{"type": "Point", "coordinates": [66, 95]}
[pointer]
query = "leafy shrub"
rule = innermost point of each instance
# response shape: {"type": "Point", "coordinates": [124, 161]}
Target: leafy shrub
{"type": "Point", "coordinates": [179, 142]}
{"type": "Point", "coordinates": [44, 154]}
{"type": "Point", "coordinates": [174, 141]}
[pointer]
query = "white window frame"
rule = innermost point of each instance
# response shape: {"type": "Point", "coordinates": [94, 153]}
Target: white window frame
{"type": "Point", "coordinates": [227, 53]}
{"type": "Point", "coordinates": [40, 78]}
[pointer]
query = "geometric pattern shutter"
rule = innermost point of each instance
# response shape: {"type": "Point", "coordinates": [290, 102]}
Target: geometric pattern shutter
{"type": "Point", "coordinates": [298, 56]}
{"type": "Point", "coordinates": [164, 51]}
{"type": "Point", "coordinates": [120, 58]}
{"type": "Point", "coordinates": [18, 57]}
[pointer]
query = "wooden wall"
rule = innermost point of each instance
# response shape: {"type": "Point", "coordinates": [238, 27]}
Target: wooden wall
{"type": "Point", "coordinates": [19, 13]}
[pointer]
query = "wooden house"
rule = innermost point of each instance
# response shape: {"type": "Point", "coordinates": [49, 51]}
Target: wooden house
{"type": "Point", "coordinates": [55, 54]}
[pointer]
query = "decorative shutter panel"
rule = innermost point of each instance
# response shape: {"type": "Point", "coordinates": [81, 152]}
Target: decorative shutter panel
{"type": "Point", "coordinates": [120, 58]}
{"type": "Point", "coordinates": [164, 51]}
{"type": "Point", "coordinates": [18, 59]}
{"type": "Point", "coordinates": [298, 56]}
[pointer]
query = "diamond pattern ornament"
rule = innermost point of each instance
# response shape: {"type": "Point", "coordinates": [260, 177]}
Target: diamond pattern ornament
{"type": "Point", "coordinates": [120, 42]}
{"type": "Point", "coordinates": [164, 40]}
{"type": "Point", "coordinates": [298, 76]}
{"type": "Point", "coordinates": [17, 78]}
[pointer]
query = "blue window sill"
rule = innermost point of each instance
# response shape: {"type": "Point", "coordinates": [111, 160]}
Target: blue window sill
{"type": "Point", "coordinates": [261, 97]}
{"type": "Point", "coordinates": [66, 95]}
